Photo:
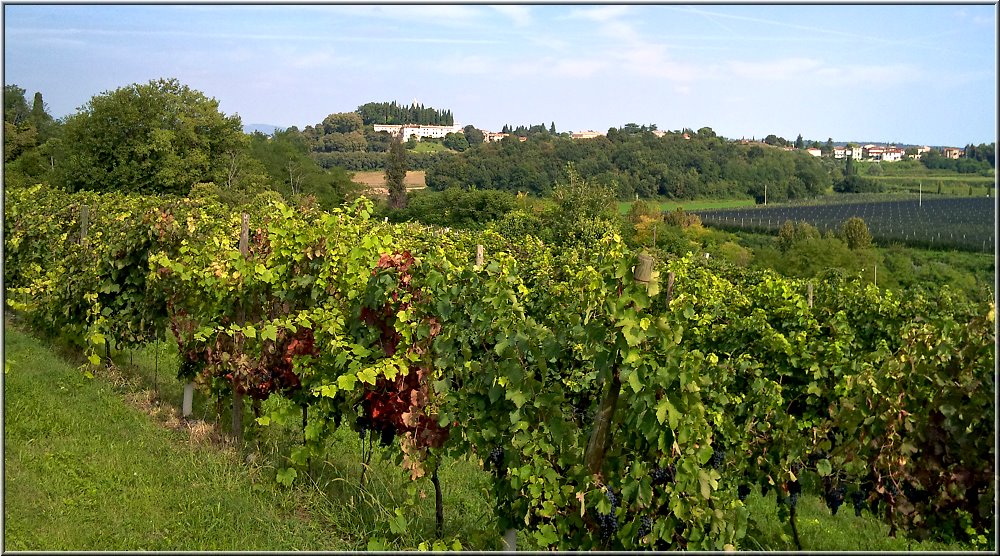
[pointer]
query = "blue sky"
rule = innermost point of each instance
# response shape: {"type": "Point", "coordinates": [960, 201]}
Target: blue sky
{"type": "Point", "coordinates": [919, 74]}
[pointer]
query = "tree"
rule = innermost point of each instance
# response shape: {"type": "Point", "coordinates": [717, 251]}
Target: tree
{"type": "Point", "coordinates": [799, 143]}
{"type": "Point", "coordinates": [342, 122]}
{"type": "Point", "coordinates": [159, 137]}
{"type": "Point", "coordinates": [395, 173]}
{"type": "Point", "coordinates": [15, 106]}
{"type": "Point", "coordinates": [473, 136]}
{"type": "Point", "coordinates": [40, 118]}
{"type": "Point", "coordinates": [855, 233]}
{"type": "Point", "coordinates": [456, 142]}
{"type": "Point", "coordinates": [552, 128]}
{"type": "Point", "coordinates": [776, 141]}
{"type": "Point", "coordinates": [827, 149]}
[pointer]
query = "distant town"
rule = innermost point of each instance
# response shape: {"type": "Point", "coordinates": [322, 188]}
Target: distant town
{"type": "Point", "coordinates": [871, 152]}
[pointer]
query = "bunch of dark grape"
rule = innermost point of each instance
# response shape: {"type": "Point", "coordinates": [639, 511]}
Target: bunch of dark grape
{"type": "Point", "coordinates": [386, 435]}
{"type": "Point", "coordinates": [891, 486]}
{"type": "Point", "coordinates": [816, 456]}
{"type": "Point", "coordinates": [495, 461]}
{"type": "Point", "coordinates": [858, 500]}
{"type": "Point", "coordinates": [913, 495]}
{"type": "Point", "coordinates": [835, 497]}
{"type": "Point", "coordinates": [718, 457]}
{"type": "Point", "coordinates": [743, 491]}
{"type": "Point", "coordinates": [645, 526]}
{"type": "Point", "coordinates": [794, 489]}
{"type": "Point", "coordinates": [609, 522]}
{"type": "Point", "coordinates": [662, 475]}
{"type": "Point", "coordinates": [363, 424]}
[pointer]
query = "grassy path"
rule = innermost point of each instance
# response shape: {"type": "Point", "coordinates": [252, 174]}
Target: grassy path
{"type": "Point", "coordinates": [85, 471]}
{"type": "Point", "coordinates": [89, 465]}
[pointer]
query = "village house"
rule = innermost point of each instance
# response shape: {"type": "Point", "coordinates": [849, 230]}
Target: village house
{"type": "Point", "coordinates": [841, 153]}
{"type": "Point", "coordinates": [952, 152]}
{"type": "Point", "coordinates": [883, 154]}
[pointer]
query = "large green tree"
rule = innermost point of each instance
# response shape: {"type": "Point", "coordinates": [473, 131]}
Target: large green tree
{"type": "Point", "coordinates": [157, 137]}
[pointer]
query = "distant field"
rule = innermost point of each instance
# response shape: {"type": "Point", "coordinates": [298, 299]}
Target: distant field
{"type": "Point", "coordinates": [703, 204]}
{"type": "Point", "coordinates": [963, 222]}
{"type": "Point", "coordinates": [374, 181]}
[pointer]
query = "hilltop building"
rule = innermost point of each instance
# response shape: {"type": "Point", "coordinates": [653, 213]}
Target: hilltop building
{"type": "Point", "coordinates": [419, 131]}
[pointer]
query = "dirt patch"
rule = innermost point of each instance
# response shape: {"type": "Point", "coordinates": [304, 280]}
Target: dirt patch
{"type": "Point", "coordinates": [374, 182]}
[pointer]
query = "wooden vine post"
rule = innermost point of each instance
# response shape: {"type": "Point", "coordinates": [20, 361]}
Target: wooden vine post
{"type": "Point", "coordinates": [479, 255]}
{"type": "Point", "coordinates": [809, 290]}
{"type": "Point", "coordinates": [600, 436]}
{"type": "Point", "coordinates": [241, 318]}
{"type": "Point", "coordinates": [84, 224]}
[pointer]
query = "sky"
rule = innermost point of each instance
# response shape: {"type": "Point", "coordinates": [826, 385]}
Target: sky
{"type": "Point", "coordinates": [905, 74]}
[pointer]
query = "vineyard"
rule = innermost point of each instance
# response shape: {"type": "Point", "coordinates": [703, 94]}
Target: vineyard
{"type": "Point", "coordinates": [964, 223]}
{"type": "Point", "coordinates": [618, 400]}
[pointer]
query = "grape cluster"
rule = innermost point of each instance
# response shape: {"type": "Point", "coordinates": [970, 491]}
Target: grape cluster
{"type": "Point", "coordinates": [495, 461]}
{"type": "Point", "coordinates": [835, 497]}
{"type": "Point", "coordinates": [794, 489]}
{"type": "Point", "coordinates": [386, 435]}
{"type": "Point", "coordinates": [891, 486]}
{"type": "Point", "coordinates": [718, 457]}
{"type": "Point", "coordinates": [913, 495]}
{"type": "Point", "coordinates": [609, 522]}
{"type": "Point", "coordinates": [743, 491]}
{"type": "Point", "coordinates": [645, 526]}
{"type": "Point", "coordinates": [363, 424]}
{"type": "Point", "coordinates": [858, 500]}
{"type": "Point", "coordinates": [663, 475]}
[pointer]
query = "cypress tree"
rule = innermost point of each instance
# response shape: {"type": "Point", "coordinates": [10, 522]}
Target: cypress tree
{"type": "Point", "coordinates": [395, 173]}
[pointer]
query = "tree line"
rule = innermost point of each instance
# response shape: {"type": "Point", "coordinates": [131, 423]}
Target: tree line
{"type": "Point", "coordinates": [637, 163]}
{"type": "Point", "coordinates": [390, 113]}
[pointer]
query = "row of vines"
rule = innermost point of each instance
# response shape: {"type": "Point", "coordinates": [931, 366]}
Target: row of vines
{"type": "Point", "coordinates": [613, 413]}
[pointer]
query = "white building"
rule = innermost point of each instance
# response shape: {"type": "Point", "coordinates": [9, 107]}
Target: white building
{"type": "Point", "coordinates": [884, 154]}
{"type": "Point", "coordinates": [847, 152]}
{"type": "Point", "coordinates": [419, 131]}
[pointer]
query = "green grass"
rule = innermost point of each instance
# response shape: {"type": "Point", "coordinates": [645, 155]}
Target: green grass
{"type": "Point", "coordinates": [428, 147]}
{"type": "Point", "coordinates": [820, 531]}
{"type": "Point", "coordinates": [87, 469]}
{"type": "Point", "coordinates": [698, 204]}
